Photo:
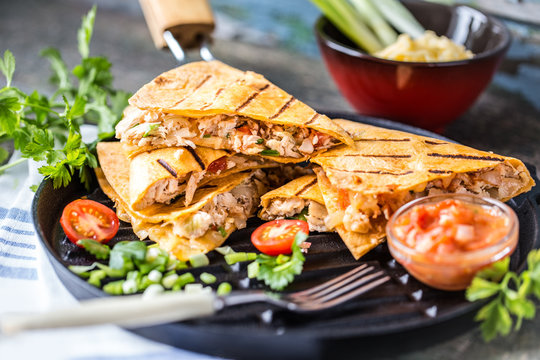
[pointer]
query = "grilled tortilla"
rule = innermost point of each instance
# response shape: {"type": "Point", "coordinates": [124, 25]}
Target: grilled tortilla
{"type": "Point", "coordinates": [214, 105]}
{"type": "Point", "coordinates": [161, 175]}
{"type": "Point", "coordinates": [218, 208]}
{"type": "Point", "coordinates": [298, 197]}
{"type": "Point", "coordinates": [363, 185]}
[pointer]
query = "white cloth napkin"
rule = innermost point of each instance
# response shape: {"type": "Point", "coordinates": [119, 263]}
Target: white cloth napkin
{"type": "Point", "coordinates": [28, 284]}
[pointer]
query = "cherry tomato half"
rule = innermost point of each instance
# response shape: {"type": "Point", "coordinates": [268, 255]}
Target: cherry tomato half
{"type": "Point", "coordinates": [276, 237]}
{"type": "Point", "coordinates": [87, 219]}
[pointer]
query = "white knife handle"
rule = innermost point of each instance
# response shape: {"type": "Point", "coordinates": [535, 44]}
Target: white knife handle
{"type": "Point", "coordinates": [127, 311]}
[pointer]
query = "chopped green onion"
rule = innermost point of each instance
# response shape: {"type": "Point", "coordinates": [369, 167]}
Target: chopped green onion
{"type": "Point", "coordinates": [169, 280]}
{"type": "Point", "coordinates": [224, 250]}
{"type": "Point", "coordinates": [224, 289]}
{"type": "Point", "coordinates": [193, 288]}
{"type": "Point", "coordinates": [239, 256]}
{"type": "Point", "coordinates": [183, 280]}
{"type": "Point", "coordinates": [114, 287]}
{"type": "Point", "coordinates": [199, 260]}
{"type": "Point", "coordinates": [222, 231]}
{"type": "Point", "coordinates": [269, 152]}
{"type": "Point", "coordinates": [153, 290]}
{"type": "Point", "coordinates": [207, 278]}
{"type": "Point", "coordinates": [129, 286]}
{"type": "Point", "coordinates": [96, 276]}
{"type": "Point", "coordinates": [253, 270]}
{"type": "Point", "coordinates": [114, 273]}
{"type": "Point", "coordinates": [206, 136]}
{"type": "Point", "coordinates": [155, 276]}
{"type": "Point", "coordinates": [259, 141]}
{"type": "Point", "coordinates": [82, 270]}
{"type": "Point", "coordinates": [99, 250]}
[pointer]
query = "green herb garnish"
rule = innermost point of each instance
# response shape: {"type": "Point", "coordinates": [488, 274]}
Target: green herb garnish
{"type": "Point", "coordinates": [259, 141]}
{"type": "Point", "coordinates": [279, 271]}
{"type": "Point", "coordinates": [206, 136]}
{"type": "Point", "coordinates": [99, 250]}
{"type": "Point", "coordinates": [47, 128]}
{"type": "Point", "coordinates": [511, 294]}
{"type": "Point", "coordinates": [149, 129]}
{"type": "Point", "coordinates": [222, 231]}
{"type": "Point", "coordinates": [269, 152]}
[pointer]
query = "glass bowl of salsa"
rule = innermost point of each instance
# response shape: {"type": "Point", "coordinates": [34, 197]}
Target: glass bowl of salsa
{"type": "Point", "coordinates": [444, 240]}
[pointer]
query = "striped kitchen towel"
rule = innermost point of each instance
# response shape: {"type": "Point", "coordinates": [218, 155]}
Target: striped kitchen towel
{"type": "Point", "coordinates": [28, 284]}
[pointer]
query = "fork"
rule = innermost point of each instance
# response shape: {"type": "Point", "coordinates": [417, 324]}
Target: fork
{"type": "Point", "coordinates": [138, 311]}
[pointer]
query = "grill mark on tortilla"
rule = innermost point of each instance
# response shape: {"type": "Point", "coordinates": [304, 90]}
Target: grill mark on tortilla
{"type": "Point", "coordinates": [466, 157]}
{"type": "Point", "coordinates": [283, 108]}
{"type": "Point", "coordinates": [306, 187]}
{"type": "Point", "coordinates": [376, 172]}
{"type": "Point", "coordinates": [375, 139]}
{"type": "Point", "coordinates": [440, 171]}
{"type": "Point", "coordinates": [313, 118]}
{"type": "Point", "coordinates": [167, 167]}
{"type": "Point", "coordinates": [196, 156]}
{"type": "Point", "coordinates": [251, 97]}
{"type": "Point", "coordinates": [206, 78]}
{"type": "Point", "coordinates": [214, 99]}
{"type": "Point", "coordinates": [429, 142]}
{"type": "Point", "coordinates": [396, 156]}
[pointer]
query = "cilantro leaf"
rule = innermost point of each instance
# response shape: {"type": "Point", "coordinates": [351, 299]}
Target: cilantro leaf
{"type": "Point", "coordinates": [48, 128]}
{"type": "Point", "coordinates": [99, 250]}
{"type": "Point", "coordinates": [510, 292]}
{"type": "Point", "coordinates": [60, 75]}
{"type": "Point", "coordinates": [278, 274]}
{"type": "Point", "coordinates": [84, 35]}
{"type": "Point", "coordinates": [7, 66]}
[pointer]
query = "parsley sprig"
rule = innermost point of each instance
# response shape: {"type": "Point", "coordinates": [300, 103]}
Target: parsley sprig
{"type": "Point", "coordinates": [279, 271]}
{"type": "Point", "coordinates": [511, 295]}
{"type": "Point", "coordinates": [47, 128]}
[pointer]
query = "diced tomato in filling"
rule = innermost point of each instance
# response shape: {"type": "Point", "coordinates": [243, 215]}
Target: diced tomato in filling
{"type": "Point", "coordinates": [244, 129]}
{"type": "Point", "coordinates": [217, 165]}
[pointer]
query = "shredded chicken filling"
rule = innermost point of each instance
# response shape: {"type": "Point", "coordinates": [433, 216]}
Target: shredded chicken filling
{"type": "Point", "coordinates": [281, 208]}
{"type": "Point", "coordinates": [499, 182]}
{"type": "Point", "coordinates": [232, 132]}
{"type": "Point", "coordinates": [230, 209]}
{"type": "Point", "coordinates": [165, 190]}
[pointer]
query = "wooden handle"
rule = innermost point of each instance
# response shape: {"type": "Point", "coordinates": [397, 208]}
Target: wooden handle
{"type": "Point", "coordinates": [129, 311]}
{"type": "Point", "coordinates": [190, 21]}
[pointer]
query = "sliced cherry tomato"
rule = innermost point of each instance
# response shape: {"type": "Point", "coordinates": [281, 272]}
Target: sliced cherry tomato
{"type": "Point", "coordinates": [276, 237]}
{"type": "Point", "coordinates": [217, 165]}
{"type": "Point", "coordinates": [88, 219]}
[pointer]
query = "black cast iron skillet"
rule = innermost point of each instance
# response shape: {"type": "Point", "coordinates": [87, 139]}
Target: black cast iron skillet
{"type": "Point", "coordinates": [402, 315]}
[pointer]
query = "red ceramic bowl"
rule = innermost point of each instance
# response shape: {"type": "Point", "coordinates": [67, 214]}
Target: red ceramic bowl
{"type": "Point", "coordinates": [427, 95]}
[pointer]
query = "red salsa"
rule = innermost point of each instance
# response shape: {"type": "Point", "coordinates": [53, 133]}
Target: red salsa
{"type": "Point", "coordinates": [451, 226]}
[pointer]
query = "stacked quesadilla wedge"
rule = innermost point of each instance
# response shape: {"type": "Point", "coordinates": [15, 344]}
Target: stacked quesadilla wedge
{"type": "Point", "coordinates": [300, 198]}
{"type": "Point", "coordinates": [218, 208]}
{"type": "Point", "coordinates": [364, 184]}
{"type": "Point", "coordinates": [213, 105]}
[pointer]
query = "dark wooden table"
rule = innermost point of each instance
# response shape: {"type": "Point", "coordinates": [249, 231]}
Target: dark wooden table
{"type": "Point", "coordinates": [502, 120]}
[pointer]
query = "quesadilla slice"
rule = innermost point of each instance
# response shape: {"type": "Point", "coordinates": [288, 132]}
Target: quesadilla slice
{"type": "Point", "coordinates": [160, 175]}
{"type": "Point", "coordinates": [364, 185]}
{"type": "Point", "coordinates": [218, 208]}
{"type": "Point", "coordinates": [300, 198]}
{"type": "Point", "coordinates": [214, 105]}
